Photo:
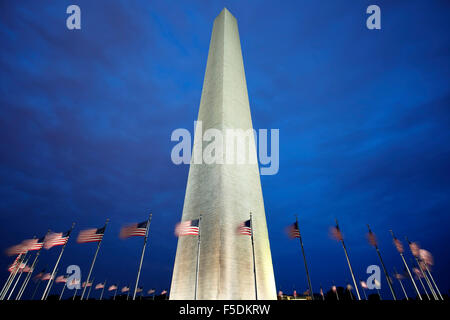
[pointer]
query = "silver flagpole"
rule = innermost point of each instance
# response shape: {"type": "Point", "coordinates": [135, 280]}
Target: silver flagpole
{"type": "Point", "coordinates": [423, 273]}
{"type": "Point", "coordinates": [198, 259]}
{"type": "Point", "coordinates": [75, 293]}
{"type": "Point", "coordinates": [17, 280]}
{"type": "Point", "coordinates": [388, 279]}
{"type": "Point", "coordinates": [128, 291]}
{"type": "Point", "coordinates": [62, 291]}
{"type": "Point", "coordinates": [28, 277]}
{"type": "Point", "coordinates": [93, 260]}
{"type": "Point", "coordinates": [420, 280]}
{"type": "Point", "coordinates": [363, 290]}
{"type": "Point", "coordinates": [14, 273]}
{"type": "Point", "coordinates": [430, 286]}
{"type": "Point", "coordinates": [304, 259]}
{"type": "Point", "coordinates": [115, 292]}
{"type": "Point", "coordinates": [254, 262]}
{"type": "Point", "coordinates": [103, 290]}
{"type": "Point", "coordinates": [142, 258]}
{"type": "Point", "coordinates": [401, 284]}
{"type": "Point", "coordinates": [407, 268]}
{"type": "Point", "coordinates": [52, 280]}
{"type": "Point", "coordinates": [432, 279]}
{"type": "Point", "coordinates": [90, 288]}
{"type": "Point", "coordinates": [33, 265]}
{"type": "Point", "coordinates": [57, 263]}
{"type": "Point", "coordinates": [349, 264]}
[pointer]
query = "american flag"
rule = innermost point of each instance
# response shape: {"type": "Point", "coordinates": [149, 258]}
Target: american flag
{"type": "Point", "coordinates": [245, 228]}
{"type": "Point", "coordinates": [137, 229]}
{"type": "Point", "coordinates": [39, 275]}
{"type": "Point", "coordinates": [17, 249]}
{"type": "Point", "coordinates": [15, 264]}
{"type": "Point", "coordinates": [293, 230]}
{"type": "Point", "coordinates": [140, 289]}
{"type": "Point", "coordinates": [99, 286]}
{"type": "Point", "coordinates": [336, 233]}
{"type": "Point", "coordinates": [75, 281]}
{"type": "Point", "coordinates": [125, 289]}
{"type": "Point", "coordinates": [35, 244]}
{"type": "Point", "coordinates": [112, 287]}
{"type": "Point", "coordinates": [46, 276]}
{"type": "Point", "coordinates": [61, 279]}
{"type": "Point", "coordinates": [190, 227]}
{"type": "Point", "coordinates": [164, 292]}
{"type": "Point", "coordinates": [372, 238]}
{"type": "Point", "coordinates": [91, 235]}
{"type": "Point", "coordinates": [398, 245]}
{"type": "Point", "coordinates": [364, 285]}
{"type": "Point", "coordinates": [151, 291]}
{"type": "Point", "coordinates": [321, 292]}
{"type": "Point", "coordinates": [56, 239]}
{"type": "Point", "coordinates": [86, 285]}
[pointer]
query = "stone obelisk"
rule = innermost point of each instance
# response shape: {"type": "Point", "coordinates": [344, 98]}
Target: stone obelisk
{"type": "Point", "coordinates": [224, 194]}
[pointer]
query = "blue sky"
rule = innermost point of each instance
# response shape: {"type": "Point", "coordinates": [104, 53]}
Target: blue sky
{"type": "Point", "coordinates": [86, 118]}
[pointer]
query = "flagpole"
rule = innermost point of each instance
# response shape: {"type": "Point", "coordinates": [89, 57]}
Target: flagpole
{"type": "Point", "coordinates": [128, 291]}
{"type": "Point", "coordinates": [28, 277]}
{"type": "Point", "coordinates": [432, 279]}
{"type": "Point", "coordinates": [75, 293]}
{"type": "Point", "coordinates": [401, 284]}
{"type": "Point", "coordinates": [93, 260]}
{"type": "Point", "coordinates": [407, 268]}
{"type": "Point", "coordinates": [254, 262]}
{"type": "Point", "coordinates": [115, 292]}
{"type": "Point", "coordinates": [388, 279]}
{"type": "Point", "coordinates": [349, 264]}
{"type": "Point", "coordinates": [420, 280]}
{"type": "Point", "coordinates": [14, 272]}
{"type": "Point", "coordinates": [52, 280]}
{"type": "Point", "coordinates": [304, 259]}
{"type": "Point", "coordinates": [17, 280]}
{"type": "Point", "coordinates": [57, 263]}
{"type": "Point", "coordinates": [430, 286]}
{"type": "Point", "coordinates": [103, 289]}
{"type": "Point", "coordinates": [90, 288]}
{"type": "Point", "coordinates": [433, 292]}
{"type": "Point", "coordinates": [363, 290]}
{"type": "Point", "coordinates": [62, 291]}
{"type": "Point", "coordinates": [142, 256]}
{"type": "Point", "coordinates": [35, 289]}
{"type": "Point", "coordinates": [198, 258]}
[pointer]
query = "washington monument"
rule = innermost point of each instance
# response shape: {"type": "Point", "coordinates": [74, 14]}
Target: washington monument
{"type": "Point", "coordinates": [224, 195]}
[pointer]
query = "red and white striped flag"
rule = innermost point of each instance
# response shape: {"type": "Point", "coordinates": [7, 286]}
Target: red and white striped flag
{"type": "Point", "coordinates": [86, 284]}
{"type": "Point", "coordinates": [56, 239]}
{"type": "Point", "coordinates": [125, 289]}
{"type": "Point", "coordinates": [293, 230]}
{"type": "Point", "coordinates": [134, 230]}
{"type": "Point", "coordinates": [186, 228]}
{"type": "Point", "coordinates": [61, 279]}
{"type": "Point", "coordinates": [99, 286]}
{"type": "Point", "coordinates": [15, 265]}
{"type": "Point", "coordinates": [415, 249]}
{"type": "Point", "coordinates": [34, 244]}
{"type": "Point", "coordinates": [151, 291]}
{"type": "Point", "coordinates": [245, 228]}
{"type": "Point", "coordinates": [91, 235]}
{"type": "Point", "coordinates": [16, 249]}
{"type": "Point", "coordinates": [164, 292]}
{"type": "Point", "coordinates": [46, 276]}
{"type": "Point", "coordinates": [140, 289]}
{"type": "Point", "coordinates": [372, 238]}
{"type": "Point", "coordinates": [112, 287]}
{"type": "Point", "coordinates": [336, 233]}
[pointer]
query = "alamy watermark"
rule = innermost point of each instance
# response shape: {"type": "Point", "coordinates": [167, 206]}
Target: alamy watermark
{"type": "Point", "coordinates": [227, 147]}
